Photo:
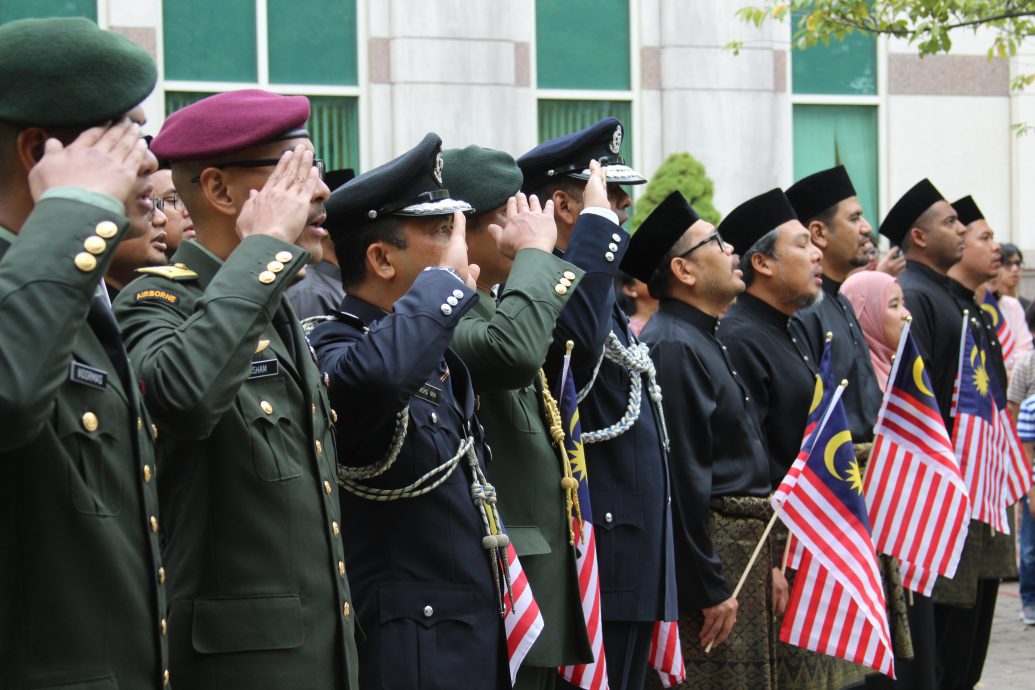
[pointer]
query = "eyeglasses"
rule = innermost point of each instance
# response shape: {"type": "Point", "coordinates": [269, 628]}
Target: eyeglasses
{"type": "Point", "coordinates": [320, 165]}
{"type": "Point", "coordinates": [173, 202]}
{"type": "Point", "coordinates": [714, 237]}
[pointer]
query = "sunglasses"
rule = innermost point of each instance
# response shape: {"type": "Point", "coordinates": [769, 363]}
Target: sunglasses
{"type": "Point", "coordinates": [320, 165]}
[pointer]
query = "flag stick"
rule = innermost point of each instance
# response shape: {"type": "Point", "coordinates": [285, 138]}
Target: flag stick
{"type": "Point", "coordinates": [747, 568]}
{"type": "Point", "coordinates": [786, 555]}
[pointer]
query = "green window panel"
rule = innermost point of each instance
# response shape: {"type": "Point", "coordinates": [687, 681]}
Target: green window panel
{"type": "Point", "coordinates": [839, 67]}
{"type": "Point", "coordinates": [582, 44]}
{"type": "Point", "coordinates": [209, 41]}
{"type": "Point", "coordinates": [333, 125]}
{"type": "Point", "coordinates": [25, 9]}
{"type": "Point", "coordinates": [829, 135]}
{"type": "Point", "coordinates": [297, 29]}
{"type": "Point", "coordinates": [559, 117]}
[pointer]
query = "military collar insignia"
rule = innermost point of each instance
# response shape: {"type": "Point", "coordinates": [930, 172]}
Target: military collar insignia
{"type": "Point", "coordinates": [616, 140]}
{"type": "Point", "coordinates": [439, 165]}
{"type": "Point", "coordinates": [177, 272]}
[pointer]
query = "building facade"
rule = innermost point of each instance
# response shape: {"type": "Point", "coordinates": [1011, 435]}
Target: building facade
{"type": "Point", "coordinates": [508, 74]}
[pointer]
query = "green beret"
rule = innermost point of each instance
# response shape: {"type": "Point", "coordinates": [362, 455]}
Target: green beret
{"type": "Point", "coordinates": [484, 178]}
{"type": "Point", "coordinates": [67, 72]}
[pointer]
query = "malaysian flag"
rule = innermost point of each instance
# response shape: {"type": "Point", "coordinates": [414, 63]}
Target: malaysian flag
{"type": "Point", "coordinates": [837, 605]}
{"type": "Point", "coordinates": [666, 655]}
{"type": "Point", "coordinates": [1002, 329]}
{"type": "Point", "coordinates": [821, 397]}
{"type": "Point", "coordinates": [590, 676]}
{"type": "Point", "coordinates": [986, 444]}
{"type": "Point", "coordinates": [917, 500]}
{"type": "Point", "coordinates": [522, 619]}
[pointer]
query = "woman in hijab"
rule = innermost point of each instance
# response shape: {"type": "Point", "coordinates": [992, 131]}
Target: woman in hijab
{"type": "Point", "coordinates": [880, 308]}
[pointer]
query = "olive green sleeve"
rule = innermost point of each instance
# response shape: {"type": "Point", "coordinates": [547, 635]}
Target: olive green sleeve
{"type": "Point", "coordinates": [194, 353]}
{"type": "Point", "coordinates": [47, 282]}
{"type": "Point", "coordinates": [505, 349]}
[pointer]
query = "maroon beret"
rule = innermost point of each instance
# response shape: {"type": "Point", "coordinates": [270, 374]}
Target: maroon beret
{"type": "Point", "coordinates": [228, 122]}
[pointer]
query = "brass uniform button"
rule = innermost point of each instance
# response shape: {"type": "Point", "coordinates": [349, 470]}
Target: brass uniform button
{"type": "Point", "coordinates": [147, 473]}
{"type": "Point", "coordinates": [140, 423]}
{"type": "Point", "coordinates": [346, 609]}
{"type": "Point", "coordinates": [161, 576]}
{"type": "Point", "coordinates": [284, 257]}
{"type": "Point", "coordinates": [319, 447]}
{"type": "Point", "coordinates": [327, 487]}
{"type": "Point", "coordinates": [165, 628]}
{"type": "Point", "coordinates": [569, 275]}
{"type": "Point", "coordinates": [313, 408]}
{"type": "Point", "coordinates": [267, 277]}
{"type": "Point", "coordinates": [565, 282]}
{"type": "Point", "coordinates": [154, 431]}
{"type": "Point", "coordinates": [560, 289]}
{"type": "Point", "coordinates": [95, 245]}
{"type": "Point", "coordinates": [165, 678]}
{"type": "Point", "coordinates": [85, 262]}
{"type": "Point", "coordinates": [334, 416]}
{"type": "Point", "coordinates": [90, 421]}
{"type": "Point", "coordinates": [266, 407]}
{"type": "Point", "coordinates": [106, 229]}
{"type": "Point", "coordinates": [275, 266]}
{"type": "Point", "coordinates": [335, 528]}
{"type": "Point", "coordinates": [341, 567]}
{"type": "Point", "coordinates": [154, 524]}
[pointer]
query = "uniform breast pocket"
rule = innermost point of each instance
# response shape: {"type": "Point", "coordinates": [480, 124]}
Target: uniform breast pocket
{"type": "Point", "coordinates": [277, 454]}
{"type": "Point", "coordinates": [93, 426]}
{"type": "Point", "coordinates": [619, 525]}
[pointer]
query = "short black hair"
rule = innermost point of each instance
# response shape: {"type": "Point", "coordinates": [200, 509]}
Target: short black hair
{"type": "Point", "coordinates": [826, 216]}
{"type": "Point", "coordinates": [765, 245]}
{"type": "Point", "coordinates": [1010, 250]}
{"type": "Point", "coordinates": [351, 247]}
{"type": "Point", "coordinates": [569, 185]}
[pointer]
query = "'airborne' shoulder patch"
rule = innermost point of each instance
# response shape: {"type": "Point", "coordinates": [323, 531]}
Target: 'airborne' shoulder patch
{"type": "Point", "coordinates": [155, 294]}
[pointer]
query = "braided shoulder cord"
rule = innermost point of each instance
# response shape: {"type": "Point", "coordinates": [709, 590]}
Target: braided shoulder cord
{"type": "Point", "coordinates": [495, 540]}
{"type": "Point", "coordinates": [312, 322]}
{"type": "Point", "coordinates": [636, 360]}
{"type": "Point", "coordinates": [569, 485]}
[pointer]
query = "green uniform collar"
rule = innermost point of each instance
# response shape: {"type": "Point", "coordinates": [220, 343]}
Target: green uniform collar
{"type": "Point", "coordinates": [6, 235]}
{"type": "Point", "coordinates": [198, 259]}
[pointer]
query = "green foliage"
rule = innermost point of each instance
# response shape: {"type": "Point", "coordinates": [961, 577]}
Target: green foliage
{"type": "Point", "coordinates": [687, 174]}
{"type": "Point", "coordinates": [924, 23]}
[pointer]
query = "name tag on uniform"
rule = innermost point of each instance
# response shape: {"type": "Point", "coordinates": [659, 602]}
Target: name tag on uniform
{"type": "Point", "coordinates": [430, 394]}
{"type": "Point", "coordinates": [265, 368]}
{"type": "Point", "coordinates": [88, 376]}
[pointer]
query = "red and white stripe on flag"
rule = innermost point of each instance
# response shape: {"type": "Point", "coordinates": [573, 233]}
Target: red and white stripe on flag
{"type": "Point", "coordinates": [591, 676]}
{"type": "Point", "coordinates": [976, 441]}
{"type": "Point", "coordinates": [666, 655]}
{"type": "Point", "coordinates": [1017, 476]}
{"type": "Point", "coordinates": [917, 501]}
{"type": "Point", "coordinates": [824, 617]}
{"type": "Point", "coordinates": [523, 621]}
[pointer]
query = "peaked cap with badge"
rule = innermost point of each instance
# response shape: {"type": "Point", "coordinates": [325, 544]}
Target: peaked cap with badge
{"type": "Point", "coordinates": [656, 236]}
{"type": "Point", "coordinates": [814, 194]}
{"type": "Point", "coordinates": [80, 558]}
{"type": "Point", "coordinates": [910, 206]}
{"type": "Point", "coordinates": [248, 455]}
{"type": "Point", "coordinates": [410, 185]}
{"type": "Point", "coordinates": [755, 218]}
{"type": "Point", "coordinates": [67, 72]}
{"type": "Point", "coordinates": [570, 155]}
{"type": "Point", "coordinates": [967, 210]}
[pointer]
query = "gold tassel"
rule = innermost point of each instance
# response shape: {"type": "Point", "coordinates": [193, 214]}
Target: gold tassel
{"type": "Point", "coordinates": [569, 484]}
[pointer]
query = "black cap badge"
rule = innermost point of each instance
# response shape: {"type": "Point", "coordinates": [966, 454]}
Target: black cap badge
{"type": "Point", "coordinates": [616, 140]}
{"type": "Point", "coordinates": [437, 172]}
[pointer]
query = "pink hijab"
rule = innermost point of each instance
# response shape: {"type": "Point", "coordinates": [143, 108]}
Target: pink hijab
{"type": "Point", "coordinates": [869, 291]}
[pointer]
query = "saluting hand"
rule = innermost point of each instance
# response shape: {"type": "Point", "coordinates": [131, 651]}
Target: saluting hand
{"type": "Point", "coordinates": [529, 226]}
{"type": "Point", "coordinates": [596, 187]}
{"type": "Point", "coordinates": [281, 208]}
{"type": "Point", "coordinates": [455, 254]}
{"type": "Point", "coordinates": [107, 160]}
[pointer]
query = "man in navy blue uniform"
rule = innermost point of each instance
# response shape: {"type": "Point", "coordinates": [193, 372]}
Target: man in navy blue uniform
{"type": "Point", "coordinates": [626, 442]}
{"type": "Point", "coordinates": [423, 557]}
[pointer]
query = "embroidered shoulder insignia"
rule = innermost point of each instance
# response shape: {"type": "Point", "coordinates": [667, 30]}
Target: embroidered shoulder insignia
{"type": "Point", "coordinates": [178, 272]}
{"type": "Point", "coordinates": [141, 295]}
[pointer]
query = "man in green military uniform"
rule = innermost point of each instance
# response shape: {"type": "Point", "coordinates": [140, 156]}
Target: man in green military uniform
{"type": "Point", "coordinates": [84, 588]}
{"type": "Point", "coordinates": [504, 344]}
{"type": "Point", "coordinates": [248, 457]}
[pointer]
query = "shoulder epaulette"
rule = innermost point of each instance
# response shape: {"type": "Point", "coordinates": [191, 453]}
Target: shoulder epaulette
{"type": "Point", "coordinates": [177, 272]}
